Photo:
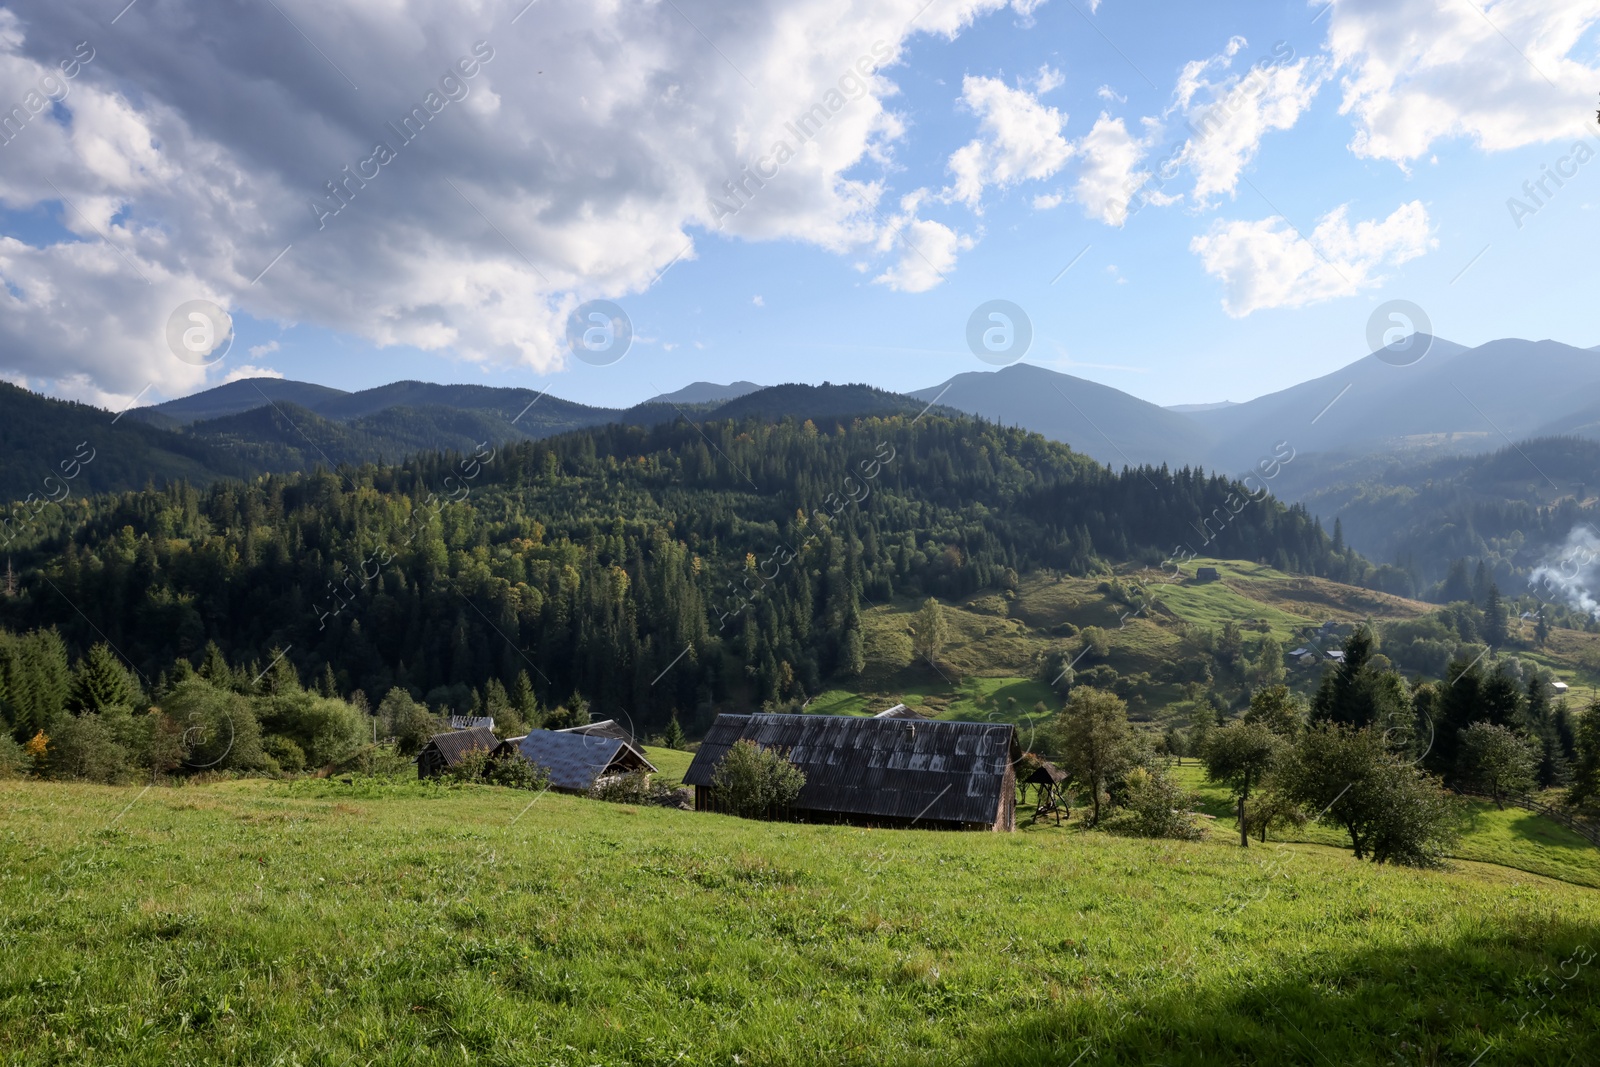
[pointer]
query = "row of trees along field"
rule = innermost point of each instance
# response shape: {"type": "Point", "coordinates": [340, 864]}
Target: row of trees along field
{"type": "Point", "coordinates": [1336, 761]}
{"type": "Point", "coordinates": [95, 719]}
{"type": "Point", "coordinates": [739, 554]}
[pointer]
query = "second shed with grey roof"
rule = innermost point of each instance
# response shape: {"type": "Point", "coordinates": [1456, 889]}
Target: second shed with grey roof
{"type": "Point", "coordinates": [575, 762]}
{"type": "Point", "coordinates": [881, 772]}
{"type": "Point", "coordinates": [444, 751]}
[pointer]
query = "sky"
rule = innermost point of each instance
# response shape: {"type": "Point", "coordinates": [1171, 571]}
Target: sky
{"type": "Point", "coordinates": [1191, 203]}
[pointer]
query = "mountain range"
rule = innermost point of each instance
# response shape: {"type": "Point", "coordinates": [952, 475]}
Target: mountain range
{"type": "Point", "coordinates": [1372, 423]}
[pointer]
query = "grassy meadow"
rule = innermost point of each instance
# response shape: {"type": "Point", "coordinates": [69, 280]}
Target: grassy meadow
{"type": "Point", "coordinates": [985, 671]}
{"type": "Point", "coordinates": [396, 922]}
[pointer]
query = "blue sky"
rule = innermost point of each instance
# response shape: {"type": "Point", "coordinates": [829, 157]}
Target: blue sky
{"type": "Point", "coordinates": [1181, 302]}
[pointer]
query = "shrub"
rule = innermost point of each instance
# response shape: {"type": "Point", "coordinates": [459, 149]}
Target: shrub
{"type": "Point", "coordinates": [290, 756]}
{"type": "Point", "coordinates": [219, 727]}
{"type": "Point", "coordinates": [635, 787]}
{"type": "Point", "coordinates": [515, 772]}
{"type": "Point", "coordinates": [1156, 806]}
{"type": "Point", "coordinates": [324, 728]}
{"type": "Point", "coordinates": [752, 781]}
{"type": "Point", "coordinates": [84, 749]}
{"type": "Point", "coordinates": [13, 761]}
{"type": "Point", "coordinates": [472, 767]}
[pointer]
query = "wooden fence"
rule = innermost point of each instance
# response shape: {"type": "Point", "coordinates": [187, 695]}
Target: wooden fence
{"type": "Point", "coordinates": [1584, 830]}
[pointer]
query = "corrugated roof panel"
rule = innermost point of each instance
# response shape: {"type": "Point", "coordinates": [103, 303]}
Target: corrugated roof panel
{"type": "Point", "coordinates": [893, 768]}
{"type": "Point", "coordinates": [575, 761]}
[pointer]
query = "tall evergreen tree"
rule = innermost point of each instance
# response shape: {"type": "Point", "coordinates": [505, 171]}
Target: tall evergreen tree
{"type": "Point", "coordinates": [101, 682]}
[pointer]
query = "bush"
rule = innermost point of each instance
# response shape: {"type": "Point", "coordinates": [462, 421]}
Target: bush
{"type": "Point", "coordinates": [632, 788]}
{"type": "Point", "coordinates": [290, 756]}
{"type": "Point", "coordinates": [752, 781]}
{"type": "Point", "coordinates": [84, 749]}
{"type": "Point", "coordinates": [13, 761]}
{"type": "Point", "coordinates": [323, 728]}
{"type": "Point", "coordinates": [472, 767]}
{"type": "Point", "coordinates": [219, 727]}
{"type": "Point", "coordinates": [515, 772]}
{"type": "Point", "coordinates": [1156, 806]}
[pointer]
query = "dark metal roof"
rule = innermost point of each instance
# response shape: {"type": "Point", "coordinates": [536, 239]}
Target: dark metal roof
{"type": "Point", "coordinates": [932, 771]}
{"type": "Point", "coordinates": [575, 761]}
{"type": "Point", "coordinates": [452, 746]}
{"type": "Point", "coordinates": [1046, 773]}
{"type": "Point", "coordinates": [603, 728]}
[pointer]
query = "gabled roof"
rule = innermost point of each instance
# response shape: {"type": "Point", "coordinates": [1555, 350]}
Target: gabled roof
{"type": "Point", "coordinates": [575, 761]}
{"type": "Point", "coordinates": [900, 711]}
{"type": "Point", "coordinates": [1046, 773]}
{"type": "Point", "coordinates": [932, 771]}
{"type": "Point", "coordinates": [470, 722]}
{"type": "Point", "coordinates": [603, 728]}
{"type": "Point", "coordinates": [457, 743]}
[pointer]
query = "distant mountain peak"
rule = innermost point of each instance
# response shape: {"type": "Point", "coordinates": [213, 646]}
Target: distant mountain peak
{"type": "Point", "coordinates": [706, 393]}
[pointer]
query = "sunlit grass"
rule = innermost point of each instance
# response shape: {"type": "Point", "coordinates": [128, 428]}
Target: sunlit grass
{"type": "Point", "coordinates": [408, 923]}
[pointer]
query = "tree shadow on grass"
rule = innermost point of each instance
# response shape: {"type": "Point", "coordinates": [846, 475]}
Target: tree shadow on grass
{"type": "Point", "coordinates": [1526, 998]}
{"type": "Point", "coordinates": [1548, 833]}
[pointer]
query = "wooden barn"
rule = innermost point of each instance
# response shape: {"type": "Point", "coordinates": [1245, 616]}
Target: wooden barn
{"type": "Point", "coordinates": [879, 771]}
{"type": "Point", "coordinates": [444, 751]}
{"type": "Point", "coordinates": [575, 762]}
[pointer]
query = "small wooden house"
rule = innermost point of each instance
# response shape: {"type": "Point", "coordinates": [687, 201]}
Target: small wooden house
{"type": "Point", "coordinates": [875, 771]}
{"type": "Point", "coordinates": [1207, 574]}
{"type": "Point", "coordinates": [444, 751]}
{"type": "Point", "coordinates": [575, 761]}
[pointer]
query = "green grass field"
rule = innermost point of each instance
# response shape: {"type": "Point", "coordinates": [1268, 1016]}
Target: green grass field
{"type": "Point", "coordinates": [371, 922]}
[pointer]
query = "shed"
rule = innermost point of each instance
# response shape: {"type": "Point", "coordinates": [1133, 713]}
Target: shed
{"type": "Point", "coordinates": [604, 728]}
{"type": "Point", "coordinates": [471, 722]}
{"type": "Point", "coordinates": [444, 751]}
{"type": "Point", "coordinates": [575, 762]}
{"type": "Point", "coordinates": [1337, 655]}
{"type": "Point", "coordinates": [1560, 687]}
{"type": "Point", "coordinates": [878, 771]}
{"type": "Point", "coordinates": [1207, 574]}
{"type": "Point", "coordinates": [900, 711]}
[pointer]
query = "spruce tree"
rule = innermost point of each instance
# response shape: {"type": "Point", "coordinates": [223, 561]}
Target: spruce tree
{"type": "Point", "coordinates": [101, 682]}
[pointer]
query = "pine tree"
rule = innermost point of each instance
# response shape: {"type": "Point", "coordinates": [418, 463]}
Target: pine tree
{"type": "Point", "coordinates": [101, 682]}
{"type": "Point", "coordinates": [674, 735]}
{"type": "Point", "coordinates": [1494, 618]}
{"type": "Point", "coordinates": [930, 630]}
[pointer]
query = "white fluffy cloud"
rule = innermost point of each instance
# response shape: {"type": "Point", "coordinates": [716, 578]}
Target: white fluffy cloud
{"type": "Point", "coordinates": [1266, 264]}
{"type": "Point", "coordinates": [928, 249]}
{"type": "Point", "coordinates": [1108, 170]}
{"type": "Point", "coordinates": [586, 151]}
{"type": "Point", "coordinates": [1420, 70]}
{"type": "Point", "coordinates": [1231, 114]}
{"type": "Point", "coordinates": [1021, 137]}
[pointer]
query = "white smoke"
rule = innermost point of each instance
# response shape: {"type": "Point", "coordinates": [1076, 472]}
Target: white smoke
{"type": "Point", "coordinates": [1574, 577]}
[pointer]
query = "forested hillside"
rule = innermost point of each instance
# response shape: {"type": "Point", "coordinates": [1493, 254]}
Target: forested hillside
{"type": "Point", "coordinates": [1512, 510]}
{"type": "Point", "coordinates": [652, 570]}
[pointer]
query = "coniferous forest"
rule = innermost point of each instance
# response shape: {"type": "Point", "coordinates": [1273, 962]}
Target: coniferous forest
{"type": "Point", "coordinates": [656, 571]}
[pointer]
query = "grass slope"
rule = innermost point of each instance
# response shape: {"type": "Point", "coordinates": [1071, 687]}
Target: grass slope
{"type": "Point", "coordinates": [319, 922]}
{"type": "Point", "coordinates": [984, 673]}
{"type": "Point", "coordinates": [1512, 837]}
